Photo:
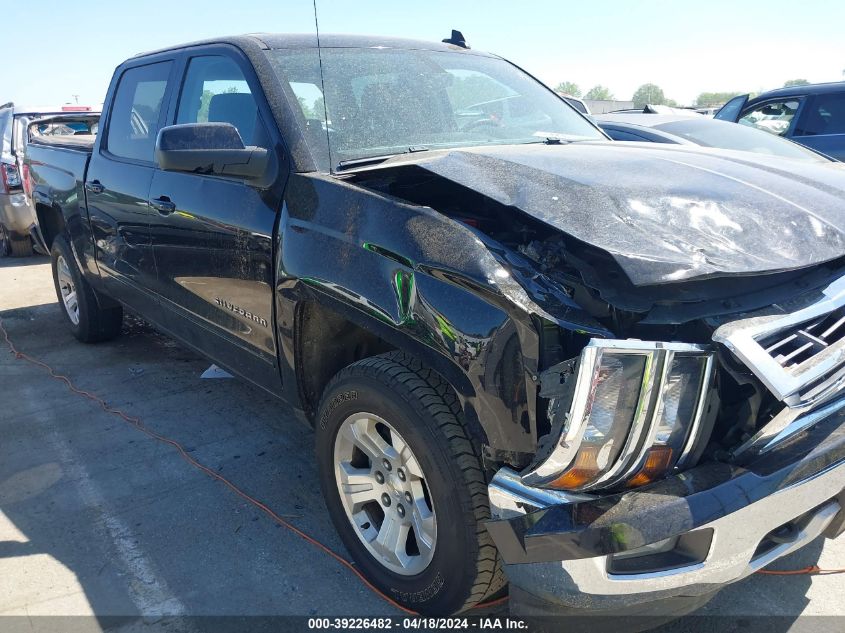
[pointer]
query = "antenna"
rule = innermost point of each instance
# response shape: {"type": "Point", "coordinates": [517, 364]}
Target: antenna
{"type": "Point", "coordinates": [322, 82]}
{"type": "Point", "coordinates": [457, 39]}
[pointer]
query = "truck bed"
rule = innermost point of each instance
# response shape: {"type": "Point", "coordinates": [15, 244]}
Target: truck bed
{"type": "Point", "coordinates": [56, 172]}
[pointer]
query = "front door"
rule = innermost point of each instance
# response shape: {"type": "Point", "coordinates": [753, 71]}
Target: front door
{"type": "Point", "coordinates": [118, 184]}
{"type": "Point", "coordinates": [213, 236]}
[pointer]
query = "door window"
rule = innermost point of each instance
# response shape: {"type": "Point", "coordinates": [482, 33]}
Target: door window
{"type": "Point", "coordinates": [216, 91]}
{"type": "Point", "coordinates": [824, 114]}
{"type": "Point", "coordinates": [136, 112]}
{"type": "Point", "coordinates": [772, 116]}
{"type": "Point", "coordinates": [731, 109]}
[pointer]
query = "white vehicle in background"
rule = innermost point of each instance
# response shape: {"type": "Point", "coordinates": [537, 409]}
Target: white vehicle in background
{"type": "Point", "coordinates": [18, 221]}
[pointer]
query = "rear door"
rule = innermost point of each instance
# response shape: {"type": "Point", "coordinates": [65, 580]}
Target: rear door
{"type": "Point", "coordinates": [118, 181]}
{"type": "Point", "coordinates": [821, 125]}
{"type": "Point", "coordinates": [213, 236]}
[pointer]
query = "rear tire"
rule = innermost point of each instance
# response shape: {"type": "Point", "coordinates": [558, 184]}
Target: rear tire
{"type": "Point", "coordinates": [78, 301]}
{"type": "Point", "coordinates": [415, 409]}
{"type": "Point", "coordinates": [20, 247]}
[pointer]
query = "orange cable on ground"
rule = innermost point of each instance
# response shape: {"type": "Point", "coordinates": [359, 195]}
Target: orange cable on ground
{"type": "Point", "coordinates": [812, 570]}
{"type": "Point", "coordinates": [136, 422]}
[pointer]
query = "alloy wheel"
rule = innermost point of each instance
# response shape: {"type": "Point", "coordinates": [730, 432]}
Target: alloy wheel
{"type": "Point", "coordinates": [68, 290]}
{"type": "Point", "coordinates": [385, 494]}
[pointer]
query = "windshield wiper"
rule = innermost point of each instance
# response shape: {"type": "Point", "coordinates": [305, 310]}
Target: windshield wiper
{"type": "Point", "coordinates": [375, 160]}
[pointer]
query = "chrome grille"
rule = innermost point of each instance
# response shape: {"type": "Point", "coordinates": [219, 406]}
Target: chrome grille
{"type": "Point", "coordinates": [799, 356]}
{"type": "Point", "coordinates": [800, 344]}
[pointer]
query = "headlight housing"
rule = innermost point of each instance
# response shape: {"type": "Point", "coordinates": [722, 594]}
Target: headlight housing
{"type": "Point", "coordinates": [635, 413]}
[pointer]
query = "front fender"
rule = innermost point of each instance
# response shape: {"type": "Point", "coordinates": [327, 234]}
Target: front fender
{"type": "Point", "coordinates": [428, 285]}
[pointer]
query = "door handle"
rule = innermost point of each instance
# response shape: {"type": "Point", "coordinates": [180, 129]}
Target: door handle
{"type": "Point", "coordinates": [95, 186]}
{"type": "Point", "coordinates": [163, 205]}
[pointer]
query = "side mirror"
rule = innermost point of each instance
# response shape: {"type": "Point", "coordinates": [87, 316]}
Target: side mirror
{"type": "Point", "coordinates": [210, 148]}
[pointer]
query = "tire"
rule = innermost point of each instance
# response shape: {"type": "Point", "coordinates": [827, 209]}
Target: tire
{"type": "Point", "coordinates": [89, 322]}
{"type": "Point", "coordinates": [20, 247]}
{"type": "Point", "coordinates": [420, 411]}
{"type": "Point", "coordinates": [4, 241]}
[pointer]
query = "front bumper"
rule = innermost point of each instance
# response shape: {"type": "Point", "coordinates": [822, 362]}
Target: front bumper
{"type": "Point", "coordinates": [717, 524]}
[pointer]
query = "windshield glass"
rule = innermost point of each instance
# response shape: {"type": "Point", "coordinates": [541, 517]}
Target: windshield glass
{"type": "Point", "coordinates": [726, 135]}
{"type": "Point", "coordinates": [387, 101]}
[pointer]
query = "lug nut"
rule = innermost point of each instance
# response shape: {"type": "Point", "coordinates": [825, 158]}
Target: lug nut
{"type": "Point", "coordinates": [400, 510]}
{"type": "Point", "coordinates": [387, 465]}
{"type": "Point", "coordinates": [408, 497]}
{"type": "Point", "coordinates": [401, 474]}
{"type": "Point", "coordinates": [379, 477]}
{"type": "Point", "coordinates": [385, 499]}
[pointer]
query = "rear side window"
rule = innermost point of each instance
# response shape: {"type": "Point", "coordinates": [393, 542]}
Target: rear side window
{"type": "Point", "coordinates": [136, 112]}
{"type": "Point", "coordinates": [216, 91]}
{"type": "Point", "coordinates": [824, 114]}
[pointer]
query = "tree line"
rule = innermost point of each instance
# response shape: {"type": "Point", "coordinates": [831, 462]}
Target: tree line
{"type": "Point", "coordinates": [652, 94]}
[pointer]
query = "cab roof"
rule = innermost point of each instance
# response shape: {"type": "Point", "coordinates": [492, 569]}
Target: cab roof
{"type": "Point", "coordinates": [271, 41]}
{"type": "Point", "coordinates": [790, 91]}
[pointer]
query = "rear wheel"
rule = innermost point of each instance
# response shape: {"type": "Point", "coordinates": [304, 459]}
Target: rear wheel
{"type": "Point", "coordinates": [404, 485]}
{"type": "Point", "coordinates": [89, 322]}
{"type": "Point", "coordinates": [20, 247]}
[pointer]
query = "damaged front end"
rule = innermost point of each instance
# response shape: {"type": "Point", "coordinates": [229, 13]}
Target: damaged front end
{"type": "Point", "coordinates": [665, 548]}
{"type": "Point", "coordinates": [627, 274]}
{"type": "Point", "coordinates": [673, 415]}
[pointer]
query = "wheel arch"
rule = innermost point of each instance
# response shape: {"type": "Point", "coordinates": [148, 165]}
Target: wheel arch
{"type": "Point", "coordinates": [330, 337]}
{"type": "Point", "coordinates": [51, 221]}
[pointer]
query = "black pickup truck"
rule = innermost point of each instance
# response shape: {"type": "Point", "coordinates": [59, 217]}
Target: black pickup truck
{"type": "Point", "coordinates": [607, 374]}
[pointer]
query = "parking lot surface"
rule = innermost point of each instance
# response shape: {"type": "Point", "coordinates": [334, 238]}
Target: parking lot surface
{"type": "Point", "coordinates": [97, 518]}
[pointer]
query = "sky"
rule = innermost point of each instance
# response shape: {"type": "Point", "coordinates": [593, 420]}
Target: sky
{"type": "Point", "coordinates": [684, 47]}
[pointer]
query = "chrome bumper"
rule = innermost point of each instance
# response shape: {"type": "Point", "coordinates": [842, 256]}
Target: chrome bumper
{"type": "Point", "coordinates": [686, 536]}
{"type": "Point", "coordinates": [736, 537]}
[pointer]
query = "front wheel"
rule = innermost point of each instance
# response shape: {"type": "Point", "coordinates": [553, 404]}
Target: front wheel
{"type": "Point", "coordinates": [404, 485]}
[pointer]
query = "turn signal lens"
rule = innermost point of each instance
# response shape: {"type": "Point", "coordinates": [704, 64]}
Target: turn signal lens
{"type": "Point", "coordinates": [583, 471]}
{"type": "Point", "coordinates": [657, 462]}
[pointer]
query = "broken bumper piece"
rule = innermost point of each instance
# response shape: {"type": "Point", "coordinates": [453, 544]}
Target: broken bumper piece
{"type": "Point", "coordinates": [673, 544]}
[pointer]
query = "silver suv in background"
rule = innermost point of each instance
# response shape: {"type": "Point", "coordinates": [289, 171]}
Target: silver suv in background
{"type": "Point", "coordinates": [18, 221]}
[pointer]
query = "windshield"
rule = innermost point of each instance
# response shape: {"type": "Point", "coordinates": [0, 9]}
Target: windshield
{"type": "Point", "coordinates": [387, 101]}
{"type": "Point", "coordinates": [724, 135]}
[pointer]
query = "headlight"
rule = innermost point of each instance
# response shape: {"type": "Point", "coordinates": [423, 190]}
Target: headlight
{"type": "Point", "coordinates": [635, 412]}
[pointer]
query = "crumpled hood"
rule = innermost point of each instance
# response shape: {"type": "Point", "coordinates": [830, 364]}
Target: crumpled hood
{"type": "Point", "coordinates": [664, 213]}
